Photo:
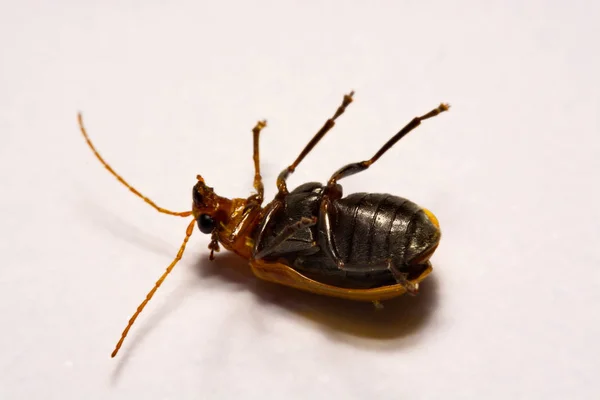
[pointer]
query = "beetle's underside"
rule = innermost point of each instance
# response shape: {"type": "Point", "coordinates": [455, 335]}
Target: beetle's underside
{"type": "Point", "coordinates": [371, 234]}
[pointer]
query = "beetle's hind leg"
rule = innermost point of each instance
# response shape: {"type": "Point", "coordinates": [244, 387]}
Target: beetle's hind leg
{"type": "Point", "coordinates": [402, 279]}
{"type": "Point", "coordinates": [354, 168]}
{"type": "Point", "coordinates": [281, 179]}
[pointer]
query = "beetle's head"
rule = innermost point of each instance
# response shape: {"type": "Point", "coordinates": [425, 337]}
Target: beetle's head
{"type": "Point", "coordinates": [208, 208]}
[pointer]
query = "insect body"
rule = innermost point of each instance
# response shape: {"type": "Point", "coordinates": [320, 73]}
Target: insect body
{"type": "Point", "coordinates": [364, 246]}
{"type": "Point", "coordinates": [363, 241]}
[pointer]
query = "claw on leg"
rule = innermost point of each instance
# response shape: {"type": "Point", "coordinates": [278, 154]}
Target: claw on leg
{"type": "Point", "coordinates": [402, 279]}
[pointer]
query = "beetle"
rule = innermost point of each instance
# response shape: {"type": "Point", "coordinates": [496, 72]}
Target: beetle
{"type": "Point", "coordinates": [364, 246]}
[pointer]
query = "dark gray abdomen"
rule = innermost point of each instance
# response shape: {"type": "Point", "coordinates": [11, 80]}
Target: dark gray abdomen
{"type": "Point", "coordinates": [372, 229]}
{"type": "Point", "coordinates": [368, 231]}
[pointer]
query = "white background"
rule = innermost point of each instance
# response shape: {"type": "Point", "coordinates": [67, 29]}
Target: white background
{"type": "Point", "coordinates": [169, 90]}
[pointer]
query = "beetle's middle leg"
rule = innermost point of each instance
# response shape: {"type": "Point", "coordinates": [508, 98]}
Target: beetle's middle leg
{"type": "Point", "coordinates": [281, 186]}
{"type": "Point", "coordinates": [325, 232]}
{"type": "Point", "coordinates": [354, 168]}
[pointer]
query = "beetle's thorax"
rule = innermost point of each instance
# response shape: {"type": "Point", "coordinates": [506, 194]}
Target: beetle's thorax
{"type": "Point", "coordinates": [234, 233]}
{"type": "Point", "coordinates": [234, 218]}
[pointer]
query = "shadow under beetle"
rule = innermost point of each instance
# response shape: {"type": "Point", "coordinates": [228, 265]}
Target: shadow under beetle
{"type": "Point", "coordinates": [367, 247]}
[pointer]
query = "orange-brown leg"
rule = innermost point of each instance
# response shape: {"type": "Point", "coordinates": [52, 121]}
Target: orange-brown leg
{"type": "Point", "coordinates": [120, 179]}
{"type": "Point", "coordinates": [258, 184]}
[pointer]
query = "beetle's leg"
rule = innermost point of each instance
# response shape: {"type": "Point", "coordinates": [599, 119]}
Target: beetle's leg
{"type": "Point", "coordinates": [213, 246]}
{"type": "Point", "coordinates": [120, 179]}
{"type": "Point", "coordinates": [272, 209]}
{"type": "Point", "coordinates": [271, 212]}
{"type": "Point", "coordinates": [377, 304]}
{"type": "Point", "coordinates": [258, 184]}
{"type": "Point", "coordinates": [326, 234]}
{"type": "Point", "coordinates": [401, 278]}
{"type": "Point", "coordinates": [281, 186]}
{"type": "Point", "coordinates": [287, 233]}
{"type": "Point", "coordinates": [354, 168]}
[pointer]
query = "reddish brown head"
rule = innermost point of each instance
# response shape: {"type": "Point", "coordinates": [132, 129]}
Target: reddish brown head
{"type": "Point", "coordinates": [228, 221]}
{"type": "Point", "coordinates": [208, 209]}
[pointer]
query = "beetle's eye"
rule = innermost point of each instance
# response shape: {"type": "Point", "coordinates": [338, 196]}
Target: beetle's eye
{"type": "Point", "coordinates": [206, 223]}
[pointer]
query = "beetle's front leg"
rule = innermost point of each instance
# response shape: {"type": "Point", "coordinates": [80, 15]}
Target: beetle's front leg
{"type": "Point", "coordinates": [213, 246]}
{"type": "Point", "coordinates": [258, 185]}
{"type": "Point", "coordinates": [325, 232]}
{"type": "Point", "coordinates": [271, 210]}
{"type": "Point", "coordinates": [287, 233]}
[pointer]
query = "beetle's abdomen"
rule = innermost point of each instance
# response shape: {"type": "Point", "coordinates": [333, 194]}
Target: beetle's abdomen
{"type": "Point", "coordinates": [372, 228]}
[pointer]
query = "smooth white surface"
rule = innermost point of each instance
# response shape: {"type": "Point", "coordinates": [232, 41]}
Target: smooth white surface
{"type": "Point", "coordinates": [172, 90]}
